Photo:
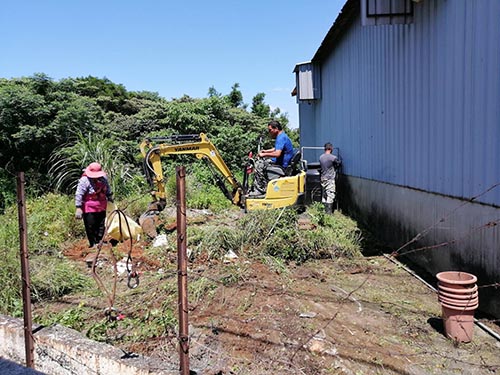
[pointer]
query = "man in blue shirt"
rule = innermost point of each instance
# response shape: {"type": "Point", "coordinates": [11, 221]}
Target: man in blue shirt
{"type": "Point", "coordinates": [282, 152]}
{"type": "Point", "coordinates": [278, 156]}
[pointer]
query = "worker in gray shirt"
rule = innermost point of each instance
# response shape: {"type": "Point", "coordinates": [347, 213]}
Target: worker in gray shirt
{"type": "Point", "coordinates": [329, 164]}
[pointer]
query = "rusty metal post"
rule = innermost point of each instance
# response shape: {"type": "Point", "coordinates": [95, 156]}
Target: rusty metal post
{"type": "Point", "coordinates": [182, 271]}
{"type": "Point", "coordinates": [25, 271]}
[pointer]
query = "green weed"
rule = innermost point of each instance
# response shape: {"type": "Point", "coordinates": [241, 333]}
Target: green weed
{"type": "Point", "coordinates": [10, 274]}
{"type": "Point", "coordinates": [135, 204]}
{"type": "Point", "coordinates": [73, 318]}
{"type": "Point", "coordinates": [277, 265]}
{"type": "Point", "coordinates": [52, 277]}
{"type": "Point", "coordinates": [100, 330]}
{"type": "Point", "coordinates": [233, 274]}
{"type": "Point", "coordinates": [219, 240]}
{"type": "Point", "coordinates": [201, 190]}
{"type": "Point", "coordinates": [155, 322]}
{"type": "Point", "coordinates": [201, 288]}
{"type": "Point", "coordinates": [208, 197]}
{"type": "Point", "coordinates": [50, 222]}
{"type": "Point", "coordinates": [276, 233]}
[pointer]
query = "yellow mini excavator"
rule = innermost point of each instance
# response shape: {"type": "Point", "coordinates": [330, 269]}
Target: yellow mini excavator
{"type": "Point", "coordinates": [285, 187]}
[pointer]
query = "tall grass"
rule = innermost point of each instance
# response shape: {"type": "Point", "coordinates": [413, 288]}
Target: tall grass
{"type": "Point", "coordinates": [50, 222]}
{"type": "Point", "coordinates": [277, 233]}
{"type": "Point", "coordinates": [54, 277]}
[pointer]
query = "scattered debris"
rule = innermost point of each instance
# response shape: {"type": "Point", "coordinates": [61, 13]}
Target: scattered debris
{"type": "Point", "coordinates": [309, 314]}
{"type": "Point", "coordinates": [160, 240]}
{"type": "Point", "coordinates": [321, 335]}
{"type": "Point", "coordinates": [230, 256]}
{"type": "Point", "coordinates": [349, 296]}
{"type": "Point", "coordinates": [121, 266]}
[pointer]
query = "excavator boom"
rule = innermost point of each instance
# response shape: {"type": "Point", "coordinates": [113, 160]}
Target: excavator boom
{"type": "Point", "coordinates": [194, 144]}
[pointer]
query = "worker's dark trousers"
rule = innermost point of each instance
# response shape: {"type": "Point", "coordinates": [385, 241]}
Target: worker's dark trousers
{"type": "Point", "coordinates": [94, 226]}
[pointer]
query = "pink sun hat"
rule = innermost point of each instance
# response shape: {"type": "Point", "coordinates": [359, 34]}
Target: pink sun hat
{"type": "Point", "coordinates": [94, 170]}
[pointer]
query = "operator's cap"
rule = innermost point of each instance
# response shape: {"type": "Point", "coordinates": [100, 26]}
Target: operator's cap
{"type": "Point", "coordinates": [94, 170]}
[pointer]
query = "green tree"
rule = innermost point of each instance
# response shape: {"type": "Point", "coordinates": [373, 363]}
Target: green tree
{"type": "Point", "coordinates": [42, 84]}
{"type": "Point", "coordinates": [235, 96]}
{"type": "Point", "coordinates": [259, 107]}
{"type": "Point", "coordinates": [24, 123]}
{"type": "Point", "coordinates": [212, 92]}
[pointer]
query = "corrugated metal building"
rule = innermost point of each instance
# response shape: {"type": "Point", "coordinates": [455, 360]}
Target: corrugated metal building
{"type": "Point", "coordinates": [409, 91]}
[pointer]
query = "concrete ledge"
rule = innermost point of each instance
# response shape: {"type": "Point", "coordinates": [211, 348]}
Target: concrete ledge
{"type": "Point", "coordinates": [63, 351]}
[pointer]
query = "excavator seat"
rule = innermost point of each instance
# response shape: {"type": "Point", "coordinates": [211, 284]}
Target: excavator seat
{"type": "Point", "coordinates": [293, 167]}
{"type": "Point", "coordinates": [275, 171]}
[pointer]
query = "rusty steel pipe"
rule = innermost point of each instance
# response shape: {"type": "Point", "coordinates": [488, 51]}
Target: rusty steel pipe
{"type": "Point", "coordinates": [182, 271]}
{"type": "Point", "coordinates": [25, 271]}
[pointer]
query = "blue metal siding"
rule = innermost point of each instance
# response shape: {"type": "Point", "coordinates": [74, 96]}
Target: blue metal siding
{"type": "Point", "coordinates": [417, 105]}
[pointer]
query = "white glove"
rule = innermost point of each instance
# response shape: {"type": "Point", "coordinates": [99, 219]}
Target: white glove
{"type": "Point", "coordinates": [78, 213]}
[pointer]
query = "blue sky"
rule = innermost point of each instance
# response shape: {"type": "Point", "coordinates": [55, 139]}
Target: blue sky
{"type": "Point", "coordinates": [173, 48]}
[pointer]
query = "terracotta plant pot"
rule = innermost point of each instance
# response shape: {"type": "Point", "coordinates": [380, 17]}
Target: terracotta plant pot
{"type": "Point", "coordinates": [452, 279]}
{"type": "Point", "coordinates": [458, 322]}
{"type": "Point", "coordinates": [459, 302]}
{"type": "Point", "coordinates": [459, 298]}
{"type": "Point", "coordinates": [458, 289]}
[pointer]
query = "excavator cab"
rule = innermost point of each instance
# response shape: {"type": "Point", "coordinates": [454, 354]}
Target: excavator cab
{"type": "Point", "coordinates": [281, 187]}
{"type": "Point", "coordinates": [266, 171]}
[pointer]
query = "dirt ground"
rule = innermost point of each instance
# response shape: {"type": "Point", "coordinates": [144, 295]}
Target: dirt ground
{"type": "Point", "coordinates": [336, 316]}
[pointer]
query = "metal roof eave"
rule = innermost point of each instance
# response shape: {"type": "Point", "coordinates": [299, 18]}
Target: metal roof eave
{"type": "Point", "coordinates": [296, 68]}
{"type": "Point", "coordinates": [347, 15]}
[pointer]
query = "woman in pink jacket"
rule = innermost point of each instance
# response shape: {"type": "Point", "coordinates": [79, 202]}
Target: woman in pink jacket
{"type": "Point", "coordinates": [92, 196]}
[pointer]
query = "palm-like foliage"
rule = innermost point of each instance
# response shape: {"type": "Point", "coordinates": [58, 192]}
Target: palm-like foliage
{"type": "Point", "coordinates": [68, 162]}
